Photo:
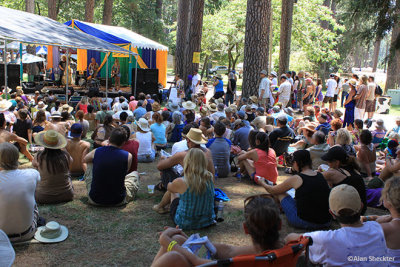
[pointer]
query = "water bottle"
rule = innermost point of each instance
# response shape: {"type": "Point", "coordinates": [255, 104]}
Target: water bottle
{"type": "Point", "coordinates": [220, 213]}
{"type": "Point", "coordinates": [216, 171]}
{"type": "Point", "coordinates": [238, 176]}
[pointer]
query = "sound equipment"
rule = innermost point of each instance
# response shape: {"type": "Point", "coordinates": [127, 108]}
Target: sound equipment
{"type": "Point", "coordinates": [147, 81]}
{"type": "Point", "coordinates": [13, 77]}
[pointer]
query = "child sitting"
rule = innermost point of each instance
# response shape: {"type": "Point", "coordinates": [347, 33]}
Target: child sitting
{"type": "Point", "coordinates": [324, 125]}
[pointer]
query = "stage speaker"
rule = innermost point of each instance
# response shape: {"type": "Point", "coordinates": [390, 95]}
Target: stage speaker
{"type": "Point", "coordinates": [12, 75]}
{"type": "Point", "coordinates": [147, 81]}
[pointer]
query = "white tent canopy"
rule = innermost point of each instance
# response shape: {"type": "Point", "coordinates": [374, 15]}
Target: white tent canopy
{"type": "Point", "coordinates": [21, 26]}
{"type": "Point", "coordinates": [137, 40]}
{"type": "Point", "coordinates": [28, 58]}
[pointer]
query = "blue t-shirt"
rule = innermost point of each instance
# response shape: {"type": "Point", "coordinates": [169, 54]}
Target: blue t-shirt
{"type": "Point", "coordinates": [396, 129]}
{"type": "Point", "coordinates": [276, 115]}
{"type": "Point", "coordinates": [220, 86]}
{"type": "Point", "coordinates": [158, 131]}
{"type": "Point", "coordinates": [139, 112]}
{"type": "Point", "coordinates": [241, 137]}
{"type": "Point", "coordinates": [324, 127]}
{"type": "Point", "coordinates": [220, 148]}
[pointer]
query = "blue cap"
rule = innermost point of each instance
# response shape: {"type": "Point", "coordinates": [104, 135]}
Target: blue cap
{"type": "Point", "coordinates": [76, 130]}
{"type": "Point", "coordinates": [241, 114]}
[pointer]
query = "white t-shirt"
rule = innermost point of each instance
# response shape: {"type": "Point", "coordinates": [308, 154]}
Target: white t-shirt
{"type": "Point", "coordinates": [371, 88]}
{"type": "Point", "coordinates": [264, 85]}
{"type": "Point", "coordinates": [338, 87]}
{"type": "Point", "coordinates": [117, 107]}
{"type": "Point", "coordinates": [195, 79]}
{"type": "Point", "coordinates": [331, 85]}
{"type": "Point", "coordinates": [116, 115]}
{"type": "Point", "coordinates": [285, 89]}
{"type": "Point", "coordinates": [349, 246]}
{"type": "Point", "coordinates": [145, 142]}
{"type": "Point", "coordinates": [274, 82]}
{"type": "Point", "coordinates": [215, 116]}
{"type": "Point", "coordinates": [17, 199]}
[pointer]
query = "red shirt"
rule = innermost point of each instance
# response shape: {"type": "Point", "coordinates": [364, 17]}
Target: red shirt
{"type": "Point", "coordinates": [83, 108]}
{"type": "Point", "coordinates": [266, 165]}
{"type": "Point", "coordinates": [132, 147]}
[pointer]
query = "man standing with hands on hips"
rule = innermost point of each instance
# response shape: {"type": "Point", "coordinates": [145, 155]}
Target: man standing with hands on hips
{"type": "Point", "coordinates": [264, 89]}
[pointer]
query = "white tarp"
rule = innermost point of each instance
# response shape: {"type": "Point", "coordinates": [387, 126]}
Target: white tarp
{"type": "Point", "coordinates": [21, 26]}
{"type": "Point", "coordinates": [29, 58]}
{"type": "Point", "coordinates": [137, 40]}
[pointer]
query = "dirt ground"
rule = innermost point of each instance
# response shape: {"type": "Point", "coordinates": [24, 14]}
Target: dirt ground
{"type": "Point", "coordinates": [128, 236]}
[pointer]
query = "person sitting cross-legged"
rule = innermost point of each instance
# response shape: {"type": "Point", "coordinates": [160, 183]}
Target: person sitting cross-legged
{"type": "Point", "coordinates": [354, 241]}
{"type": "Point", "coordinates": [78, 149]}
{"type": "Point", "coordinates": [191, 198]}
{"type": "Point", "coordinates": [309, 209]}
{"type": "Point", "coordinates": [261, 222]}
{"type": "Point", "coordinates": [108, 182]}
{"type": "Point", "coordinates": [18, 211]}
{"type": "Point", "coordinates": [220, 148]}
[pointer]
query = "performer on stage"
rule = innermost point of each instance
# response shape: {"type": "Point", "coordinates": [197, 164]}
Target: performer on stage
{"type": "Point", "coordinates": [93, 67]}
{"type": "Point", "coordinates": [61, 65]}
{"type": "Point", "coordinates": [116, 74]}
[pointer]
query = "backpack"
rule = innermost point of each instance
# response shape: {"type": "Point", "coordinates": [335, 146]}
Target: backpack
{"type": "Point", "coordinates": [378, 90]}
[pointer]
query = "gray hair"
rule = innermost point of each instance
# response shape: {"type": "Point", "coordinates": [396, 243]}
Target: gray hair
{"type": "Point", "coordinates": [9, 155]}
{"type": "Point", "coordinates": [177, 117]}
{"type": "Point", "coordinates": [343, 137]}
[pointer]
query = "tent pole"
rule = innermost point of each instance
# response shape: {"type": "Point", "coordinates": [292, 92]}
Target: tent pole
{"type": "Point", "coordinates": [151, 59]}
{"type": "Point", "coordinates": [5, 67]}
{"type": "Point", "coordinates": [66, 78]}
{"type": "Point", "coordinates": [107, 76]}
{"type": "Point", "coordinates": [136, 75]}
{"type": "Point", "coordinates": [21, 68]}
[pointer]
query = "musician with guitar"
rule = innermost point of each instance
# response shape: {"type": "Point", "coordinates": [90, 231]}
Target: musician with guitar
{"type": "Point", "coordinates": [93, 68]}
{"type": "Point", "coordinates": [116, 74]}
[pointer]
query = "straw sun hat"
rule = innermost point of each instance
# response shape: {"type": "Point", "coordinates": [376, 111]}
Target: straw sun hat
{"type": "Point", "coordinates": [5, 105]}
{"type": "Point", "coordinates": [196, 136]}
{"type": "Point", "coordinates": [309, 126]}
{"type": "Point", "coordinates": [41, 105]}
{"type": "Point", "coordinates": [53, 232]}
{"type": "Point", "coordinates": [143, 124]}
{"type": "Point", "coordinates": [51, 139]}
{"type": "Point", "coordinates": [155, 106]}
{"type": "Point", "coordinates": [66, 107]}
{"type": "Point", "coordinates": [189, 105]}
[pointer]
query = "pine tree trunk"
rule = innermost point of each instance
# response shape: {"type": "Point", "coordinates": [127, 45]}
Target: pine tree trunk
{"type": "Point", "coordinates": [286, 34]}
{"type": "Point", "coordinates": [204, 70]}
{"type": "Point", "coordinates": [324, 23]}
{"type": "Point", "coordinates": [377, 48]}
{"type": "Point", "coordinates": [193, 38]}
{"type": "Point", "coordinates": [181, 33]}
{"type": "Point", "coordinates": [52, 9]}
{"type": "Point", "coordinates": [256, 45]}
{"type": "Point", "coordinates": [89, 10]}
{"type": "Point", "coordinates": [30, 6]}
{"type": "Point", "coordinates": [107, 12]}
{"type": "Point", "coordinates": [159, 6]}
{"type": "Point", "coordinates": [393, 77]}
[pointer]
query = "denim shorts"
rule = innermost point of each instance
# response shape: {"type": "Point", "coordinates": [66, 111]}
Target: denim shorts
{"type": "Point", "coordinates": [289, 207]}
{"type": "Point", "coordinates": [147, 158]}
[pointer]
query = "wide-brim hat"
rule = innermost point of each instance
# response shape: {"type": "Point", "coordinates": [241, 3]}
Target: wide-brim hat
{"type": "Point", "coordinates": [55, 114]}
{"type": "Point", "coordinates": [212, 107]}
{"type": "Point", "coordinates": [189, 105]}
{"type": "Point", "coordinates": [233, 107]}
{"type": "Point", "coordinates": [155, 106]}
{"type": "Point", "coordinates": [309, 126]}
{"type": "Point", "coordinates": [52, 232]}
{"type": "Point", "coordinates": [196, 136]}
{"type": "Point", "coordinates": [51, 139]}
{"type": "Point", "coordinates": [273, 73]}
{"type": "Point", "coordinates": [253, 98]}
{"type": "Point", "coordinates": [204, 110]}
{"type": "Point", "coordinates": [44, 90]}
{"type": "Point", "coordinates": [172, 106]}
{"type": "Point", "coordinates": [5, 105]}
{"type": "Point", "coordinates": [7, 253]}
{"type": "Point", "coordinates": [218, 76]}
{"type": "Point", "coordinates": [143, 124]}
{"type": "Point", "coordinates": [66, 107]}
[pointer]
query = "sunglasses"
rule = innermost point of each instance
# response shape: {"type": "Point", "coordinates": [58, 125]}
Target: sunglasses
{"type": "Point", "coordinates": [251, 198]}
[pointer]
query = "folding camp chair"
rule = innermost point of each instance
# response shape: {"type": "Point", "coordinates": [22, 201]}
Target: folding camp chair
{"type": "Point", "coordinates": [283, 257]}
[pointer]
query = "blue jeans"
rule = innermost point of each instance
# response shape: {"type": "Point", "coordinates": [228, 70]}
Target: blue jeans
{"type": "Point", "coordinates": [229, 99]}
{"type": "Point", "coordinates": [289, 207]}
{"type": "Point", "coordinates": [147, 158]}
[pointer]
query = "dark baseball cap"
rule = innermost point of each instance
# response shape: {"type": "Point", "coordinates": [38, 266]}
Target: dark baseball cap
{"type": "Point", "coordinates": [335, 153]}
{"type": "Point", "coordinates": [76, 130]}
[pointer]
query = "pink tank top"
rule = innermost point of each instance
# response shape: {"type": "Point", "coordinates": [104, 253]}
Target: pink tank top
{"type": "Point", "coordinates": [266, 165]}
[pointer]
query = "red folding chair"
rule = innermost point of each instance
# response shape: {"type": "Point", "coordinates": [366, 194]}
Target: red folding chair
{"type": "Point", "coordinates": [283, 257]}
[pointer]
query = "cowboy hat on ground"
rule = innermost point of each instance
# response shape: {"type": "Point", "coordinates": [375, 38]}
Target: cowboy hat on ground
{"type": "Point", "coordinates": [196, 136]}
{"type": "Point", "coordinates": [52, 232]}
{"type": "Point", "coordinates": [51, 139]}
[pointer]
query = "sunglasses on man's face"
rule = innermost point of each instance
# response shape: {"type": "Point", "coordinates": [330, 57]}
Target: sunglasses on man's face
{"type": "Point", "coordinates": [251, 198]}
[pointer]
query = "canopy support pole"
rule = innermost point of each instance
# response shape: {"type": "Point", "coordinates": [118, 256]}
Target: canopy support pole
{"type": "Point", "coordinates": [66, 78]}
{"type": "Point", "coordinates": [136, 76]}
{"type": "Point", "coordinates": [107, 75]}
{"type": "Point", "coordinates": [21, 68]}
{"type": "Point", "coordinates": [130, 71]}
{"type": "Point", "coordinates": [5, 67]}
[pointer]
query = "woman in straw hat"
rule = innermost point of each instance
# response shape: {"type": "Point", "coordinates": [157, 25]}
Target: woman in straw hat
{"type": "Point", "coordinates": [53, 165]}
{"type": "Point", "coordinates": [191, 198]}
{"type": "Point", "coordinates": [307, 132]}
{"type": "Point", "coordinates": [145, 137]}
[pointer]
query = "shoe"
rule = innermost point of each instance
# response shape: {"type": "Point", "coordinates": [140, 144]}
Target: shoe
{"type": "Point", "coordinates": [160, 210]}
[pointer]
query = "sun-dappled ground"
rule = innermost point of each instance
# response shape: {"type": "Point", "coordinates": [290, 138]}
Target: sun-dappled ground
{"type": "Point", "coordinates": [128, 236]}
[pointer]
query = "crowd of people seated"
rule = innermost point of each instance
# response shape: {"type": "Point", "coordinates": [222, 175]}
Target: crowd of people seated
{"type": "Point", "coordinates": [336, 170]}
